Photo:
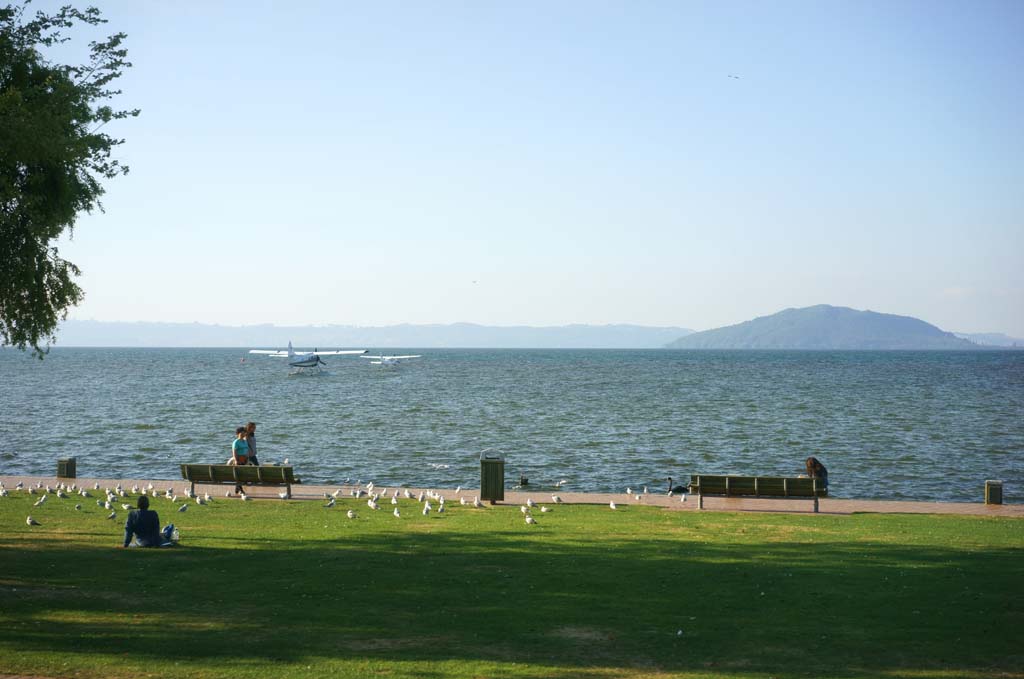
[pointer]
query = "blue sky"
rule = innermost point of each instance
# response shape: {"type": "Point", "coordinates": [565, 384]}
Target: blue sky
{"type": "Point", "coordinates": [551, 163]}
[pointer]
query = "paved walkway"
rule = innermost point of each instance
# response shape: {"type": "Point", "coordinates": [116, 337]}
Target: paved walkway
{"type": "Point", "coordinates": [542, 496]}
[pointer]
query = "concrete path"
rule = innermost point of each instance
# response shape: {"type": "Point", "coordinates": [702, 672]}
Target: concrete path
{"type": "Point", "coordinates": [543, 496]}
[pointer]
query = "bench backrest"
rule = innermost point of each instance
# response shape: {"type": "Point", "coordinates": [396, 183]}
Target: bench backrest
{"type": "Point", "coordinates": [772, 486]}
{"type": "Point", "coordinates": [222, 473]}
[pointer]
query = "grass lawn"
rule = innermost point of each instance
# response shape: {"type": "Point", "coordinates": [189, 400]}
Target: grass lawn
{"type": "Point", "coordinates": [282, 589]}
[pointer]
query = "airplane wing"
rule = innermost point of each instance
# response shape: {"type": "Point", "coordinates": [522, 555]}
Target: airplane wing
{"type": "Point", "coordinates": [269, 352]}
{"type": "Point", "coordinates": [403, 357]}
{"type": "Point", "coordinates": [339, 353]}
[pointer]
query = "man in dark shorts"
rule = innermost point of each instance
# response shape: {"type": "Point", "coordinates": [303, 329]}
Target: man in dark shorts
{"type": "Point", "coordinates": [250, 438]}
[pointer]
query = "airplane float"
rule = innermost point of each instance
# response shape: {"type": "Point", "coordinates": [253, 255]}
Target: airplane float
{"type": "Point", "coordinates": [309, 359]}
{"type": "Point", "coordinates": [389, 361]}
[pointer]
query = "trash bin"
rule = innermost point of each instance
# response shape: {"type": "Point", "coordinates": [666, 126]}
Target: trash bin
{"type": "Point", "coordinates": [66, 468]}
{"type": "Point", "coordinates": [492, 477]}
{"type": "Point", "coordinates": [993, 492]}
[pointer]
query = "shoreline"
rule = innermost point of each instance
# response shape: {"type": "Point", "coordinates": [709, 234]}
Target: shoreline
{"type": "Point", "coordinates": [832, 506]}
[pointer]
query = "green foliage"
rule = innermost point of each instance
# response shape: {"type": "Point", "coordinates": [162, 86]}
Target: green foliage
{"type": "Point", "coordinates": [53, 156]}
{"type": "Point", "coordinates": [272, 588]}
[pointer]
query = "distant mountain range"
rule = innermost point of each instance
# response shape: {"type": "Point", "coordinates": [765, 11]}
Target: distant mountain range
{"type": "Point", "coordinates": [456, 335]}
{"type": "Point", "coordinates": [826, 327]}
{"type": "Point", "coordinates": [992, 339]}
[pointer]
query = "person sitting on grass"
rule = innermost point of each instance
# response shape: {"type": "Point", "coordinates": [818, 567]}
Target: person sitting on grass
{"type": "Point", "coordinates": [144, 524]}
{"type": "Point", "coordinates": [816, 470]}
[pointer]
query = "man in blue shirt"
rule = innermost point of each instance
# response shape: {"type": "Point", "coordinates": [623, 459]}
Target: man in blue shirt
{"type": "Point", "coordinates": [144, 524]}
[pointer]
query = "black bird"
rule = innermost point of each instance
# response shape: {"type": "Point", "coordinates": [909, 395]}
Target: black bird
{"type": "Point", "coordinates": [676, 489]}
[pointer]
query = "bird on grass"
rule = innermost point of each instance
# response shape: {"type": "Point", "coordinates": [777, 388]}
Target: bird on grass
{"type": "Point", "coordinates": [201, 501]}
{"type": "Point", "coordinates": [284, 496]}
{"type": "Point", "coordinates": [183, 507]}
{"type": "Point", "coordinates": [31, 490]}
{"type": "Point", "coordinates": [397, 513]}
{"type": "Point", "coordinates": [32, 522]}
{"type": "Point", "coordinates": [246, 498]}
{"type": "Point", "coordinates": [477, 503]}
{"type": "Point", "coordinates": [18, 486]}
{"type": "Point", "coordinates": [462, 500]}
{"type": "Point", "coordinates": [529, 502]}
{"type": "Point", "coordinates": [372, 504]}
{"type": "Point", "coordinates": [40, 501]}
{"type": "Point", "coordinates": [330, 503]}
{"type": "Point", "coordinates": [611, 505]}
{"type": "Point", "coordinates": [126, 508]}
{"type": "Point", "coordinates": [394, 500]}
{"type": "Point", "coordinates": [524, 509]}
{"type": "Point", "coordinates": [440, 510]}
{"type": "Point", "coordinates": [112, 516]}
{"type": "Point", "coordinates": [530, 520]}
{"type": "Point", "coordinates": [206, 497]}
{"type": "Point", "coordinates": [3, 492]}
{"type": "Point", "coordinates": [350, 514]}
{"type": "Point", "coordinates": [544, 510]}
{"type": "Point", "coordinates": [78, 508]}
{"type": "Point", "coordinates": [426, 509]}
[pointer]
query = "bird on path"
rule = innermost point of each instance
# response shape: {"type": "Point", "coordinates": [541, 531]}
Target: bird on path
{"type": "Point", "coordinates": [18, 486]}
{"type": "Point", "coordinates": [227, 493]}
{"type": "Point", "coordinates": [458, 489]}
{"type": "Point", "coordinates": [246, 498]}
{"type": "Point", "coordinates": [529, 502]}
{"type": "Point", "coordinates": [32, 522]}
{"type": "Point", "coordinates": [556, 499]}
{"type": "Point", "coordinates": [462, 500]}
{"type": "Point", "coordinates": [611, 505]}
{"type": "Point", "coordinates": [284, 496]}
{"type": "Point", "coordinates": [183, 507]}
{"type": "Point", "coordinates": [477, 503]}
{"type": "Point", "coordinates": [350, 514]}
{"type": "Point", "coordinates": [629, 491]}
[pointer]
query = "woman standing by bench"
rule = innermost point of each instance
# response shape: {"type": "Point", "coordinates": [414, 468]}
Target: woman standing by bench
{"type": "Point", "coordinates": [239, 453]}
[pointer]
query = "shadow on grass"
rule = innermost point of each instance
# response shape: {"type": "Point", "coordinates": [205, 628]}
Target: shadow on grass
{"type": "Point", "coordinates": [657, 605]}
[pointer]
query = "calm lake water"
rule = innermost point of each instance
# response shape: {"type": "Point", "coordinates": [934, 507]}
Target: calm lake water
{"type": "Point", "coordinates": [901, 425]}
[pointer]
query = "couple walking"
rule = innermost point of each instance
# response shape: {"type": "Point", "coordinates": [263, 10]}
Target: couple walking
{"type": "Point", "coordinates": [243, 448]}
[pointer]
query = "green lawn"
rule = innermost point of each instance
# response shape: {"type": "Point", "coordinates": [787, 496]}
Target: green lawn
{"type": "Point", "coordinates": [281, 589]}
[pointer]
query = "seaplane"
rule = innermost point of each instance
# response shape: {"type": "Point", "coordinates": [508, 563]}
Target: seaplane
{"type": "Point", "coordinates": [389, 361]}
{"type": "Point", "coordinates": [303, 360]}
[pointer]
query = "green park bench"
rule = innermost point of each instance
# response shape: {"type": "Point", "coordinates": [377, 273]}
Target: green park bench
{"type": "Point", "coordinates": [264, 475]}
{"type": "Point", "coordinates": [757, 486]}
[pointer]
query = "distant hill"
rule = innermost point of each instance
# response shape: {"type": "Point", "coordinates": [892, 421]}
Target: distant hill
{"type": "Point", "coordinates": [826, 327]}
{"type": "Point", "coordinates": [457, 335]}
{"type": "Point", "coordinates": [992, 339]}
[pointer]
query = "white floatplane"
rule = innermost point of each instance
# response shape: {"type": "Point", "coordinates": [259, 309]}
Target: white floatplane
{"type": "Point", "coordinates": [309, 359]}
{"type": "Point", "coordinates": [391, 361]}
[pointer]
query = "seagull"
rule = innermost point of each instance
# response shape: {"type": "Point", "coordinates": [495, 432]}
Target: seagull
{"type": "Point", "coordinates": [206, 497]}
{"type": "Point", "coordinates": [61, 494]}
{"type": "Point", "coordinates": [189, 493]}
{"type": "Point", "coordinates": [372, 505]}
{"type": "Point", "coordinates": [462, 500]}
{"type": "Point", "coordinates": [556, 499]}
{"type": "Point", "coordinates": [3, 492]}
{"type": "Point", "coordinates": [408, 494]}
{"type": "Point", "coordinates": [440, 510]}
{"type": "Point", "coordinates": [32, 522]}
{"type": "Point", "coordinates": [336, 493]}
{"type": "Point", "coordinates": [458, 489]}
{"type": "Point", "coordinates": [227, 493]}
{"type": "Point", "coordinates": [183, 507]}
{"type": "Point", "coordinates": [529, 502]}
{"type": "Point", "coordinates": [84, 493]}
{"type": "Point", "coordinates": [544, 509]}
{"type": "Point", "coordinates": [530, 520]}
{"type": "Point", "coordinates": [397, 514]}
{"type": "Point", "coordinates": [113, 515]}
{"type": "Point", "coordinates": [31, 490]}
{"type": "Point", "coordinates": [476, 502]}
{"type": "Point", "coordinates": [99, 503]}
{"type": "Point", "coordinates": [524, 509]}
{"type": "Point", "coordinates": [246, 498]}
{"type": "Point", "coordinates": [18, 486]}
{"type": "Point", "coordinates": [78, 507]}
{"type": "Point", "coordinates": [174, 498]}
{"type": "Point", "coordinates": [201, 501]}
{"type": "Point", "coordinates": [96, 486]}
{"type": "Point", "coordinates": [126, 508]}
{"type": "Point", "coordinates": [426, 509]}
{"type": "Point", "coordinates": [284, 496]}
{"type": "Point", "coordinates": [350, 514]}
{"type": "Point", "coordinates": [637, 498]}
{"type": "Point", "coordinates": [40, 501]}
{"type": "Point", "coordinates": [629, 491]}
{"type": "Point", "coordinates": [561, 483]}
{"type": "Point", "coordinates": [107, 505]}
{"type": "Point", "coordinates": [329, 504]}
{"type": "Point", "coordinates": [611, 505]}
{"type": "Point", "coordinates": [394, 500]}
{"type": "Point", "coordinates": [420, 497]}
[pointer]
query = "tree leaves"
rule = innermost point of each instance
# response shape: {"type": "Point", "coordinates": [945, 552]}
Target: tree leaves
{"type": "Point", "coordinates": [53, 156]}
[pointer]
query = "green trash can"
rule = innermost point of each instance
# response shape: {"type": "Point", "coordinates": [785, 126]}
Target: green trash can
{"type": "Point", "coordinates": [66, 468]}
{"type": "Point", "coordinates": [492, 477]}
{"type": "Point", "coordinates": [993, 492]}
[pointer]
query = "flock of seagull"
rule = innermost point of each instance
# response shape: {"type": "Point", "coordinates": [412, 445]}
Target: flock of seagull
{"type": "Point", "coordinates": [375, 497]}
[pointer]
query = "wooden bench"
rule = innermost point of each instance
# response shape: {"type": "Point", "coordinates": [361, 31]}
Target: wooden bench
{"type": "Point", "coordinates": [229, 473]}
{"type": "Point", "coordinates": [757, 486]}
